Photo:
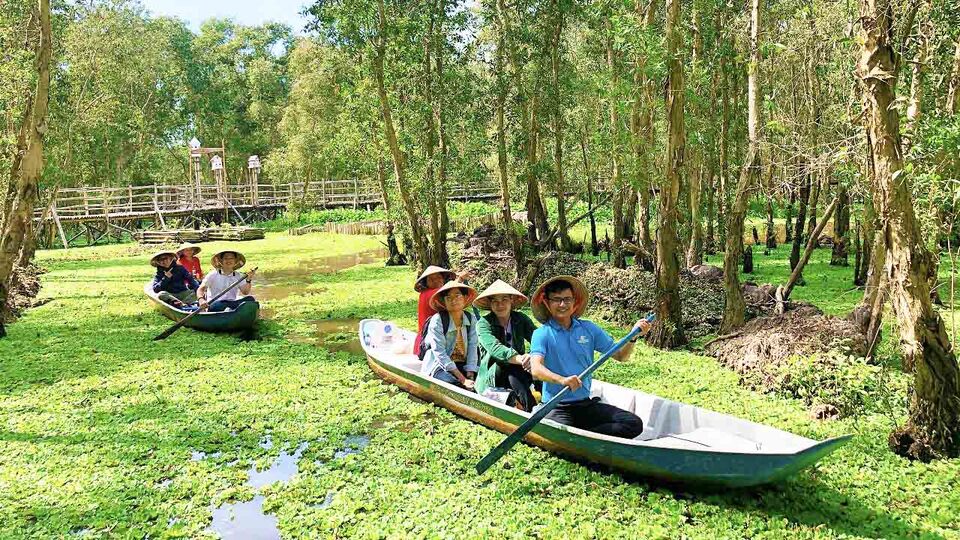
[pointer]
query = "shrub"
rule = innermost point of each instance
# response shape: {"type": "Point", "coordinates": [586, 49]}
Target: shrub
{"type": "Point", "coordinates": [319, 217]}
{"type": "Point", "coordinates": [845, 381]}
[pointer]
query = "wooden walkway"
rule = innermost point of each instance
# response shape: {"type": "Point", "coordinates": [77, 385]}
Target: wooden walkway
{"type": "Point", "coordinates": [97, 213]}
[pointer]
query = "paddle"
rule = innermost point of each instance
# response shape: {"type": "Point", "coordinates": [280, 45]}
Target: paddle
{"type": "Point", "coordinates": [542, 412]}
{"type": "Point", "coordinates": [166, 333]}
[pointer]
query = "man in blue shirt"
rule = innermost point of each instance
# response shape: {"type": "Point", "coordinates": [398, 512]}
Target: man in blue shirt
{"type": "Point", "coordinates": [563, 347]}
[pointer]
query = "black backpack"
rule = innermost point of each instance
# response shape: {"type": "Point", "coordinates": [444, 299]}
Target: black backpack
{"type": "Point", "coordinates": [445, 320]}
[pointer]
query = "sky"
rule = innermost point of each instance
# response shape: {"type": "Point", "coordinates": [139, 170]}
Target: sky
{"type": "Point", "coordinates": [248, 12]}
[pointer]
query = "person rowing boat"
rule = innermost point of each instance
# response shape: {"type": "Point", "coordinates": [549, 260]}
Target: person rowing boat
{"type": "Point", "coordinates": [564, 347]}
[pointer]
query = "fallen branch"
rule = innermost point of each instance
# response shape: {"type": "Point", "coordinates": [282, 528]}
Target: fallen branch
{"type": "Point", "coordinates": [731, 335]}
{"type": "Point", "coordinates": [783, 291]}
{"type": "Point", "coordinates": [556, 230]}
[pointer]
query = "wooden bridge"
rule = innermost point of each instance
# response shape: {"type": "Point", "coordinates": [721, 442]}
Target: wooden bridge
{"type": "Point", "coordinates": [104, 213]}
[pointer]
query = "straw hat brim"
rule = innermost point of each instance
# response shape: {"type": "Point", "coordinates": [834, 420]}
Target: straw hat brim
{"type": "Point", "coordinates": [539, 304]}
{"type": "Point", "coordinates": [421, 284]}
{"type": "Point", "coordinates": [157, 255]}
{"type": "Point", "coordinates": [496, 288]}
{"type": "Point", "coordinates": [184, 247]}
{"type": "Point", "coordinates": [215, 260]}
{"type": "Point", "coordinates": [437, 305]}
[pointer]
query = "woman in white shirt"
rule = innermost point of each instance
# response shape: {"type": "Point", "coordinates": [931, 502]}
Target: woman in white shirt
{"type": "Point", "coordinates": [225, 264]}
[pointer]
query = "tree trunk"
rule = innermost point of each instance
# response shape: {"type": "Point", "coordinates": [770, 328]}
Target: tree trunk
{"type": "Point", "coordinates": [934, 425]}
{"type": "Point", "coordinates": [953, 93]}
{"type": "Point", "coordinates": [441, 191]}
{"type": "Point", "coordinates": [812, 203]}
{"type": "Point", "coordinates": [695, 249]}
{"type": "Point", "coordinates": [771, 228]}
{"type": "Point", "coordinates": [536, 213]}
{"type": "Point", "coordinates": [915, 105]}
{"type": "Point", "coordinates": [868, 315]}
{"type": "Point", "coordinates": [801, 219]}
{"type": "Point", "coordinates": [735, 307]}
{"type": "Point", "coordinates": [430, 142]}
{"type": "Point", "coordinates": [502, 91]}
{"type": "Point", "coordinates": [841, 228]}
{"type": "Point", "coordinates": [814, 113]}
{"type": "Point", "coordinates": [594, 249]}
{"type": "Point", "coordinates": [710, 243]}
{"type": "Point", "coordinates": [19, 221]}
{"type": "Point", "coordinates": [642, 121]}
{"type": "Point", "coordinates": [557, 109]}
{"type": "Point", "coordinates": [788, 226]}
{"type": "Point", "coordinates": [857, 251]}
{"type": "Point", "coordinates": [630, 212]}
{"type": "Point", "coordinates": [619, 190]}
{"type": "Point", "coordinates": [399, 160]}
{"type": "Point", "coordinates": [868, 229]}
{"type": "Point", "coordinates": [668, 330]}
{"type": "Point", "coordinates": [723, 205]}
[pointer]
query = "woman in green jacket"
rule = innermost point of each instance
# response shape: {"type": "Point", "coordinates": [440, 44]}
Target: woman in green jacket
{"type": "Point", "coordinates": [502, 334]}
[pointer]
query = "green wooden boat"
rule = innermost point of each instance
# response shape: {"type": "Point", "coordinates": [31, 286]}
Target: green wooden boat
{"type": "Point", "coordinates": [240, 319]}
{"type": "Point", "coordinates": [680, 442]}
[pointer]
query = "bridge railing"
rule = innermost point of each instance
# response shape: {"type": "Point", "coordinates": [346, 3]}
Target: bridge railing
{"type": "Point", "coordinates": [84, 203]}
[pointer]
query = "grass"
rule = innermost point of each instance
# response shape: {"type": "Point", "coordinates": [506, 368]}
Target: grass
{"type": "Point", "coordinates": [98, 423]}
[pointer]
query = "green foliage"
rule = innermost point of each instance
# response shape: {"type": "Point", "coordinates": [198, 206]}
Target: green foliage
{"type": "Point", "coordinates": [101, 426]}
{"type": "Point", "coordinates": [459, 210]}
{"type": "Point", "coordinates": [292, 219]}
{"type": "Point", "coordinates": [847, 382]}
{"type": "Point", "coordinates": [129, 90]}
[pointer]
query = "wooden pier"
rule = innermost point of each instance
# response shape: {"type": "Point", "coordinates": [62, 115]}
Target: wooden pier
{"type": "Point", "coordinates": [104, 213]}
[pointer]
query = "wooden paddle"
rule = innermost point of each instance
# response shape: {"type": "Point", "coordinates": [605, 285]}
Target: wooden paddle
{"type": "Point", "coordinates": [166, 333]}
{"type": "Point", "coordinates": [543, 411]}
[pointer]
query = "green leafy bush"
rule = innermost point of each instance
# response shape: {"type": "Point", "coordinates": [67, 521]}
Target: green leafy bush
{"type": "Point", "coordinates": [458, 210]}
{"type": "Point", "coordinates": [319, 217]}
{"type": "Point", "coordinates": [845, 381]}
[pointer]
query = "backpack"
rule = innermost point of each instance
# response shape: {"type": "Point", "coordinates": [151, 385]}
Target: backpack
{"type": "Point", "coordinates": [445, 321]}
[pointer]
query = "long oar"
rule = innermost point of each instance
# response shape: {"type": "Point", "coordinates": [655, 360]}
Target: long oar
{"type": "Point", "coordinates": [166, 333]}
{"type": "Point", "coordinates": [525, 428]}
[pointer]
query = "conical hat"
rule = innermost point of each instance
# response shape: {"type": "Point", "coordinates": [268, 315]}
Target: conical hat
{"type": "Point", "coordinates": [215, 260]}
{"type": "Point", "coordinates": [499, 287]}
{"type": "Point", "coordinates": [437, 305]}
{"type": "Point", "coordinates": [188, 245]}
{"type": "Point", "coordinates": [161, 253]}
{"type": "Point", "coordinates": [421, 283]}
{"type": "Point", "coordinates": [539, 304]}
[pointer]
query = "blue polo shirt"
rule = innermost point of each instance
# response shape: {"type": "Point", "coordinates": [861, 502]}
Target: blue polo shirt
{"type": "Point", "coordinates": [569, 352]}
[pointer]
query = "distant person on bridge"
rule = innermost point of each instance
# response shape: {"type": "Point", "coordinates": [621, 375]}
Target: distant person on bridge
{"type": "Point", "coordinates": [187, 258]}
{"type": "Point", "coordinates": [173, 283]}
{"type": "Point", "coordinates": [226, 263]}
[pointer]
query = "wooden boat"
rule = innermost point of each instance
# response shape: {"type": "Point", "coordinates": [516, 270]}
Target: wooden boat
{"type": "Point", "coordinates": [242, 318]}
{"type": "Point", "coordinates": [680, 443]}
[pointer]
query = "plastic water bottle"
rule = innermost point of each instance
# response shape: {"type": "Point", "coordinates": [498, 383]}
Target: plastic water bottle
{"type": "Point", "coordinates": [387, 334]}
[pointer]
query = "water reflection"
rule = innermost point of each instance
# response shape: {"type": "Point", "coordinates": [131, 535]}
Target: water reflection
{"type": "Point", "coordinates": [282, 469]}
{"type": "Point", "coordinates": [248, 519]}
{"type": "Point", "coordinates": [244, 520]}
